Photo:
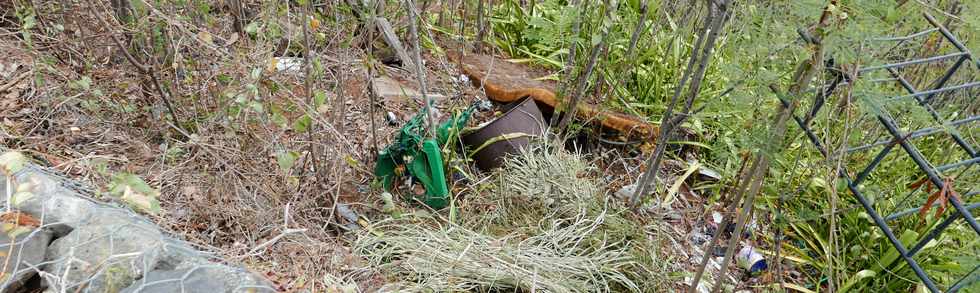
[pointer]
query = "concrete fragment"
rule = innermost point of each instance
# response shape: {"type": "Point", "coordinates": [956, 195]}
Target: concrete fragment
{"type": "Point", "coordinates": [392, 91]}
{"type": "Point", "coordinates": [53, 204]}
{"type": "Point", "coordinates": [105, 253]}
{"type": "Point", "coordinates": [105, 248]}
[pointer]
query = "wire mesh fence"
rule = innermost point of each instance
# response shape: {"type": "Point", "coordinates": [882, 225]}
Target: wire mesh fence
{"type": "Point", "coordinates": [894, 140]}
{"type": "Point", "coordinates": [57, 238]}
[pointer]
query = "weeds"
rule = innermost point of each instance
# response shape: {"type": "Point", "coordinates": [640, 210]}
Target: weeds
{"type": "Point", "coordinates": [755, 53]}
{"type": "Point", "coordinates": [275, 150]}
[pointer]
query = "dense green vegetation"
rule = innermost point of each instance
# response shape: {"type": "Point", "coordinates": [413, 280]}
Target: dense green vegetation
{"type": "Point", "coordinates": [761, 47]}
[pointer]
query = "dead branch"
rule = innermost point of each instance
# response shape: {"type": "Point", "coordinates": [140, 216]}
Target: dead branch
{"type": "Point", "coordinates": [666, 128]}
{"type": "Point", "coordinates": [148, 71]}
{"type": "Point", "coordinates": [420, 70]}
{"type": "Point", "coordinates": [388, 33]}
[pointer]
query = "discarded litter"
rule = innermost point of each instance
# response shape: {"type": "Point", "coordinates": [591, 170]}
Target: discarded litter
{"type": "Point", "coordinates": [507, 82]}
{"type": "Point", "coordinates": [505, 135]}
{"type": "Point", "coordinates": [709, 173]}
{"type": "Point", "coordinates": [388, 199]}
{"type": "Point", "coordinates": [291, 64]}
{"type": "Point", "coordinates": [626, 192]}
{"type": "Point", "coordinates": [391, 118]}
{"type": "Point", "coordinates": [419, 159]}
{"type": "Point", "coordinates": [751, 260]}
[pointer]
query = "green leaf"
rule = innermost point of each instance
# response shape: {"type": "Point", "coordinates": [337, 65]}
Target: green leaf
{"type": "Point", "coordinates": [319, 99]}
{"type": "Point", "coordinates": [29, 22]}
{"type": "Point", "coordinates": [286, 160]}
{"type": "Point", "coordinates": [132, 190]}
{"type": "Point", "coordinates": [853, 280]}
{"type": "Point", "coordinates": [85, 83]}
{"type": "Point", "coordinates": [302, 124]}
{"type": "Point", "coordinates": [14, 230]}
{"type": "Point", "coordinates": [252, 28]}
{"type": "Point", "coordinates": [538, 22]}
{"type": "Point", "coordinates": [12, 162]}
{"type": "Point", "coordinates": [256, 106]}
{"type": "Point", "coordinates": [277, 117]}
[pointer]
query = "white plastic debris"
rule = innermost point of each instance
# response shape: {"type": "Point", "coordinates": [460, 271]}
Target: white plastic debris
{"type": "Point", "coordinates": [391, 118]}
{"type": "Point", "coordinates": [289, 64]}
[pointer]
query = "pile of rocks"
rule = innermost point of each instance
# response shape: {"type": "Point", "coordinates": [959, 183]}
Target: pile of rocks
{"type": "Point", "coordinates": [80, 245]}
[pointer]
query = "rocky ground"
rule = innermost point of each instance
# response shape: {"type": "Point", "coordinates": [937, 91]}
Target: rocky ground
{"type": "Point", "coordinates": [59, 240]}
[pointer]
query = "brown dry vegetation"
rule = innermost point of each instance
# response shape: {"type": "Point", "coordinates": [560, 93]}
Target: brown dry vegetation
{"type": "Point", "coordinates": [73, 100]}
{"type": "Point", "coordinates": [221, 186]}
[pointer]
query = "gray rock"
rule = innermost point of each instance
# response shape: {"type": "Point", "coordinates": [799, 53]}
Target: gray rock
{"type": "Point", "coordinates": [210, 279]}
{"type": "Point", "coordinates": [111, 249]}
{"type": "Point", "coordinates": [106, 258]}
{"type": "Point", "coordinates": [186, 280]}
{"type": "Point", "coordinates": [626, 192]}
{"type": "Point", "coordinates": [115, 249]}
{"type": "Point", "coordinates": [52, 203]}
{"type": "Point", "coordinates": [103, 248]}
{"type": "Point", "coordinates": [21, 257]}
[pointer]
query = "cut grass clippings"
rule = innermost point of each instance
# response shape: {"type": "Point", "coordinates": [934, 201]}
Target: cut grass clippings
{"type": "Point", "coordinates": [453, 258]}
{"type": "Point", "coordinates": [544, 225]}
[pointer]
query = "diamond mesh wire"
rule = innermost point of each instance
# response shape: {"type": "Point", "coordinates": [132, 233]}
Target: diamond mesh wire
{"type": "Point", "coordinates": [60, 239]}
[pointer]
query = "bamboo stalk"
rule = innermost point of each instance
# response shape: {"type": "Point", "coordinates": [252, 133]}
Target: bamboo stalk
{"type": "Point", "coordinates": [804, 73]}
{"type": "Point", "coordinates": [640, 24]}
{"type": "Point", "coordinates": [572, 48]}
{"type": "Point", "coordinates": [666, 128]}
{"type": "Point", "coordinates": [589, 68]}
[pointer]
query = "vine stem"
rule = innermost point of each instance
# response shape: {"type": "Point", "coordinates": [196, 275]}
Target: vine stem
{"type": "Point", "coordinates": [419, 68]}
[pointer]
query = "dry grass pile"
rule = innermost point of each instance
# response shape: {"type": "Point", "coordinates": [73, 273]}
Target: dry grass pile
{"type": "Point", "coordinates": [543, 224]}
{"type": "Point", "coordinates": [454, 258]}
{"type": "Point", "coordinates": [536, 188]}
